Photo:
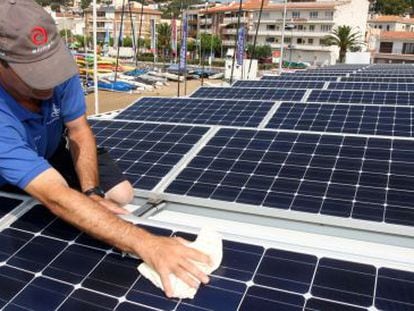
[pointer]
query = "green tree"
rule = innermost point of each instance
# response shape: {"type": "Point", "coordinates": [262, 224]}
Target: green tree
{"type": "Point", "coordinates": [393, 7]}
{"type": "Point", "coordinates": [261, 51]}
{"type": "Point", "coordinates": [127, 41]}
{"type": "Point", "coordinates": [345, 38]}
{"type": "Point", "coordinates": [210, 42]}
{"type": "Point", "coordinates": [84, 4]}
{"type": "Point", "coordinates": [164, 39]}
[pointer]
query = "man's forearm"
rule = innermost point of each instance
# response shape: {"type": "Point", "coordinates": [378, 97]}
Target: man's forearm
{"type": "Point", "coordinates": [89, 216]}
{"type": "Point", "coordinates": [83, 150]}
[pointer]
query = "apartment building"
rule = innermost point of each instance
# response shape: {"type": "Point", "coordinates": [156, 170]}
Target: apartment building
{"type": "Point", "coordinates": [309, 23]}
{"type": "Point", "coordinates": [110, 17]}
{"type": "Point", "coordinates": [394, 47]}
{"type": "Point", "coordinates": [391, 23]}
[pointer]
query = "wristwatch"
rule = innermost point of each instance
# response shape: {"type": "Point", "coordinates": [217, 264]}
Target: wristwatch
{"type": "Point", "coordinates": [95, 190]}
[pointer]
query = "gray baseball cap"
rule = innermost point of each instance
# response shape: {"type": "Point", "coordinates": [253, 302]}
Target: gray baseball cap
{"type": "Point", "coordinates": [31, 45]}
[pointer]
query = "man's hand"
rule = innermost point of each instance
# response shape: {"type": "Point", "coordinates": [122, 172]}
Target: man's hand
{"type": "Point", "coordinates": [170, 255]}
{"type": "Point", "coordinates": [109, 205]}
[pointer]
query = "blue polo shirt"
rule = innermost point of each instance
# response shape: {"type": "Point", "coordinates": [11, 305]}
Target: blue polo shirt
{"type": "Point", "coordinates": [28, 139]}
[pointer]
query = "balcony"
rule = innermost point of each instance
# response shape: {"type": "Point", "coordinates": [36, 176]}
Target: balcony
{"type": "Point", "coordinates": [229, 31]}
{"type": "Point", "coordinates": [228, 42]}
{"type": "Point", "coordinates": [288, 33]}
{"type": "Point", "coordinates": [204, 21]}
{"type": "Point", "coordinates": [234, 20]}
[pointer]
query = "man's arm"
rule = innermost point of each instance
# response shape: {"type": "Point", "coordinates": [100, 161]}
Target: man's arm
{"type": "Point", "coordinates": [83, 149]}
{"type": "Point", "coordinates": [165, 255]}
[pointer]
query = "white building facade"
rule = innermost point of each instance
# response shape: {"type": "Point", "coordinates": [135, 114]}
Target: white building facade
{"type": "Point", "coordinates": [310, 21]}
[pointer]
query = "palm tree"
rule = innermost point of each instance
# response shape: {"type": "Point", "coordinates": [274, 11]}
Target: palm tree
{"type": "Point", "coordinates": [345, 38]}
{"type": "Point", "coordinates": [164, 38]}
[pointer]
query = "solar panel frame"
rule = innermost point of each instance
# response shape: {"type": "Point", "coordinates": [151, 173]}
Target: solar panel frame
{"type": "Point", "coordinates": [372, 86]}
{"type": "Point", "coordinates": [217, 175]}
{"type": "Point", "coordinates": [249, 93]}
{"type": "Point", "coordinates": [78, 276]}
{"type": "Point", "coordinates": [344, 118]}
{"type": "Point", "coordinates": [377, 79]}
{"type": "Point", "coordinates": [278, 84]}
{"type": "Point", "coordinates": [301, 78]}
{"type": "Point", "coordinates": [241, 113]}
{"type": "Point", "coordinates": [361, 97]}
{"type": "Point", "coordinates": [146, 152]}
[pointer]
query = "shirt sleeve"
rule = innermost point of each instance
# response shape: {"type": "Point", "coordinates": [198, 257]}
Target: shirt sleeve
{"type": "Point", "coordinates": [72, 100]}
{"type": "Point", "coordinates": [19, 164]}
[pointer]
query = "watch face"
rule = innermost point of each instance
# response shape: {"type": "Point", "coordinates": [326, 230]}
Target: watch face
{"type": "Point", "coordinates": [97, 191]}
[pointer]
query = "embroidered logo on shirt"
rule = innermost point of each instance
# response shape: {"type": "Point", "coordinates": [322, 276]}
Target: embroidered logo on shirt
{"type": "Point", "coordinates": [55, 111]}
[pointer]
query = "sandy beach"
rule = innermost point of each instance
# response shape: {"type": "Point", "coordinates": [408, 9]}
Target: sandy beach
{"type": "Point", "coordinates": [109, 101]}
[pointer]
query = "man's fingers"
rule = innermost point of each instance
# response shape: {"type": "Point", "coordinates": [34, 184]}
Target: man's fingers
{"type": "Point", "coordinates": [194, 271]}
{"type": "Point", "coordinates": [165, 280]}
{"type": "Point", "coordinates": [196, 255]}
{"type": "Point", "coordinates": [186, 277]}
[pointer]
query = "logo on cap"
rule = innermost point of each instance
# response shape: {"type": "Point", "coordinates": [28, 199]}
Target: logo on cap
{"type": "Point", "coordinates": [39, 35]}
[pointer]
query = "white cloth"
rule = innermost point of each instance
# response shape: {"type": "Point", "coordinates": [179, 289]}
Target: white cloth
{"type": "Point", "coordinates": [210, 243]}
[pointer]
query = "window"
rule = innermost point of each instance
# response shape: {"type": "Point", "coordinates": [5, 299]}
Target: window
{"type": "Point", "coordinates": [270, 40]}
{"type": "Point", "coordinates": [311, 27]}
{"type": "Point", "coordinates": [300, 41]}
{"type": "Point", "coordinates": [385, 47]}
{"type": "Point", "coordinates": [329, 14]}
{"type": "Point", "coordinates": [326, 28]}
{"type": "Point", "coordinates": [313, 15]}
{"type": "Point", "coordinates": [288, 39]}
{"type": "Point", "coordinates": [310, 41]}
{"type": "Point", "coordinates": [100, 14]}
{"type": "Point", "coordinates": [300, 27]}
{"type": "Point", "coordinates": [270, 27]}
{"type": "Point", "coordinates": [295, 14]}
{"type": "Point", "coordinates": [380, 26]}
{"type": "Point", "coordinates": [388, 27]}
{"type": "Point", "coordinates": [408, 48]}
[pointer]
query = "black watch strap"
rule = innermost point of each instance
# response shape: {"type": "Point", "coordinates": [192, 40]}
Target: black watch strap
{"type": "Point", "coordinates": [95, 190]}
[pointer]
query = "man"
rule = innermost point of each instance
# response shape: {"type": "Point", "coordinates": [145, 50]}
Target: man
{"type": "Point", "coordinates": [40, 96]}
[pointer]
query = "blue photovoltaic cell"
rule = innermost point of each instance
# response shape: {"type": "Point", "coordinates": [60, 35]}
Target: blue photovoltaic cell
{"type": "Point", "coordinates": [278, 84]}
{"type": "Point", "coordinates": [146, 152]}
{"type": "Point", "coordinates": [382, 74]}
{"type": "Point", "coordinates": [84, 277]}
{"type": "Point", "coordinates": [316, 73]}
{"type": "Point", "coordinates": [198, 111]}
{"type": "Point", "coordinates": [299, 78]}
{"type": "Point", "coordinates": [344, 281]}
{"type": "Point", "coordinates": [362, 97]}
{"type": "Point", "coordinates": [338, 118]}
{"type": "Point", "coordinates": [372, 86]}
{"type": "Point", "coordinates": [249, 93]}
{"type": "Point", "coordinates": [7, 205]}
{"type": "Point", "coordinates": [378, 79]}
{"type": "Point", "coordinates": [344, 176]}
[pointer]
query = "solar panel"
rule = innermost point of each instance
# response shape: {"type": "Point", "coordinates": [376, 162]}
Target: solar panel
{"type": "Point", "coordinates": [7, 205]}
{"type": "Point", "coordinates": [377, 79]}
{"type": "Point", "coordinates": [362, 97]}
{"type": "Point", "coordinates": [198, 111]}
{"type": "Point", "coordinates": [383, 74]}
{"type": "Point", "coordinates": [249, 93]}
{"type": "Point", "coordinates": [357, 177]}
{"type": "Point", "coordinates": [53, 272]}
{"type": "Point", "coordinates": [372, 86]}
{"type": "Point", "coordinates": [146, 152]}
{"type": "Point", "coordinates": [300, 78]}
{"type": "Point", "coordinates": [317, 73]}
{"type": "Point", "coordinates": [278, 84]}
{"type": "Point", "coordinates": [353, 119]}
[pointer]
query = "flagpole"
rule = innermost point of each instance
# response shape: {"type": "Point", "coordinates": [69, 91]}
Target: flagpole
{"type": "Point", "coordinates": [119, 39]}
{"type": "Point", "coordinates": [235, 42]}
{"type": "Point", "coordinates": [282, 44]}
{"type": "Point", "coordinates": [95, 56]}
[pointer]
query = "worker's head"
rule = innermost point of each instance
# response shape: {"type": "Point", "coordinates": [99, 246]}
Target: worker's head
{"type": "Point", "coordinates": [34, 57]}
